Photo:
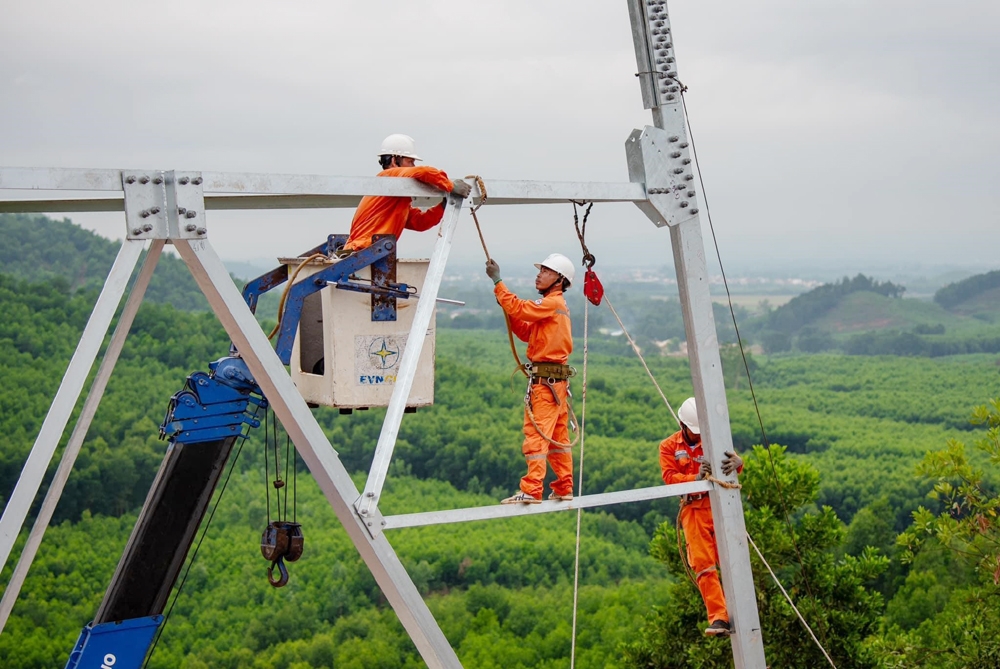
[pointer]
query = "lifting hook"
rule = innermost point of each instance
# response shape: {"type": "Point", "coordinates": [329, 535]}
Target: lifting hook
{"type": "Point", "coordinates": [280, 564]}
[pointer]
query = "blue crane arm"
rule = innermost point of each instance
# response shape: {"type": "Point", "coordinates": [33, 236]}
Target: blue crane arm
{"type": "Point", "coordinates": [203, 422]}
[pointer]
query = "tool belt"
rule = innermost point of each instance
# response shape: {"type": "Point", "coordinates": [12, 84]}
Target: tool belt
{"type": "Point", "coordinates": [548, 371]}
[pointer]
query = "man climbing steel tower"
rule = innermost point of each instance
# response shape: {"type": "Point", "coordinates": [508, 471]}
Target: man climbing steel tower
{"type": "Point", "coordinates": [682, 460]}
{"type": "Point", "coordinates": [385, 215]}
{"type": "Point", "coordinates": [543, 323]}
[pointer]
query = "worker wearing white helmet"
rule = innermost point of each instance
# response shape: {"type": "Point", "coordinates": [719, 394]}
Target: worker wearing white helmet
{"type": "Point", "coordinates": [682, 460]}
{"type": "Point", "coordinates": [385, 215]}
{"type": "Point", "coordinates": [545, 324]}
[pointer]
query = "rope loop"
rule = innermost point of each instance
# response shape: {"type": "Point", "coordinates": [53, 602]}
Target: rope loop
{"type": "Point", "coordinates": [729, 485]}
{"type": "Point", "coordinates": [482, 192]}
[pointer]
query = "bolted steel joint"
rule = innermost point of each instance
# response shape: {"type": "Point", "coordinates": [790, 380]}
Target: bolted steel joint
{"type": "Point", "coordinates": [196, 181]}
{"type": "Point", "coordinates": [148, 227]}
{"type": "Point", "coordinates": [144, 179]}
{"type": "Point", "coordinates": [130, 179]}
{"type": "Point", "coordinates": [136, 231]}
{"type": "Point", "coordinates": [183, 180]}
{"type": "Point", "coordinates": [157, 180]}
{"type": "Point", "coordinates": [202, 231]}
{"type": "Point", "coordinates": [190, 227]}
{"type": "Point", "coordinates": [190, 214]}
{"type": "Point", "coordinates": [181, 211]}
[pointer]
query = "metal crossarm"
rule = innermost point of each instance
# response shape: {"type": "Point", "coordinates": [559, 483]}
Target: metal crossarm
{"type": "Point", "coordinates": [294, 191]}
{"type": "Point", "coordinates": [513, 510]}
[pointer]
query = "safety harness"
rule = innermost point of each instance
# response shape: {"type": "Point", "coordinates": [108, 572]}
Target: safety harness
{"type": "Point", "coordinates": [548, 374]}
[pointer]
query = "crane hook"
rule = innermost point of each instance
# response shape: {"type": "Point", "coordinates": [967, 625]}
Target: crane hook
{"type": "Point", "coordinates": [280, 563]}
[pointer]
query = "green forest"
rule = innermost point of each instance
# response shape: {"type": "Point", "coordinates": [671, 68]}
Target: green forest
{"type": "Point", "coordinates": [872, 484]}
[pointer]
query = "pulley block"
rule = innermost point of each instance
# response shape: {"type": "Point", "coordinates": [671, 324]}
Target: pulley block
{"type": "Point", "coordinates": [281, 541]}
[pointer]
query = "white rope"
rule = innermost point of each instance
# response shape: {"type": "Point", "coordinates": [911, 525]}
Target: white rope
{"type": "Point", "coordinates": [579, 512]}
{"type": "Point", "coordinates": [639, 353]}
{"type": "Point", "coordinates": [790, 603]}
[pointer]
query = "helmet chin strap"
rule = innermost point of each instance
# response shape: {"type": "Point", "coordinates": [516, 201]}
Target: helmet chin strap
{"type": "Point", "coordinates": [545, 291]}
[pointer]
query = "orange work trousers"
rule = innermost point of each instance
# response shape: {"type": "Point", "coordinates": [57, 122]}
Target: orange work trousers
{"type": "Point", "coordinates": [553, 420]}
{"type": "Point", "coordinates": [703, 556]}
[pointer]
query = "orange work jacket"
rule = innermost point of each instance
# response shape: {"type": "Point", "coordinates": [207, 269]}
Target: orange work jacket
{"type": "Point", "coordinates": [385, 215]}
{"type": "Point", "coordinates": [677, 460]}
{"type": "Point", "coordinates": [543, 323]}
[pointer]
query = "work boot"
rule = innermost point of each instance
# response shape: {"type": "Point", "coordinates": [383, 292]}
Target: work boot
{"type": "Point", "coordinates": [560, 498]}
{"type": "Point", "coordinates": [719, 628]}
{"type": "Point", "coordinates": [520, 497]}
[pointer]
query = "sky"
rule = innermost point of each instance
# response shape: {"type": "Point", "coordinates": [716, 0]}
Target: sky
{"type": "Point", "coordinates": [855, 134]}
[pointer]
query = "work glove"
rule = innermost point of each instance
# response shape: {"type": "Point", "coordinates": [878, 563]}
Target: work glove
{"type": "Point", "coordinates": [731, 463]}
{"type": "Point", "coordinates": [493, 270]}
{"type": "Point", "coordinates": [460, 188]}
{"type": "Point", "coordinates": [705, 470]}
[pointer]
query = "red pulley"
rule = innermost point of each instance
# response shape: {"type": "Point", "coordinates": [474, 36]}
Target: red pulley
{"type": "Point", "coordinates": [592, 288]}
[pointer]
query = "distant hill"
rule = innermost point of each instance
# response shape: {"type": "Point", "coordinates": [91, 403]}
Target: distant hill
{"type": "Point", "coordinates": [804, 310]}
{"type": "Point", "coordinates": [979, 294]}
{"type": "Point", "coordinates": [37, 248]}
{"type": "Point", "coordinates": [867, 317]}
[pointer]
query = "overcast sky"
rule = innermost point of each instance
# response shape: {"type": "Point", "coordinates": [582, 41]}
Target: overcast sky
{"type": "Point", "coordinates": [858, 132]}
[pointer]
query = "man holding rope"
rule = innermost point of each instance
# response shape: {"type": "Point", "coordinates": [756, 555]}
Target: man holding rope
{"type": "Point", "coordinates": [682, 460]}
{"type": "Point", "coordinates": [545, 324]}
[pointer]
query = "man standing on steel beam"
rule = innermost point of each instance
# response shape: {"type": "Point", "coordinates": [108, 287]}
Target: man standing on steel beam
{"type": "Point", "coordinates": [682, 460]}
{"type": "Point", "coordinates": [543, 323]}
{"type": "Point", "coordinates": [385, 215]}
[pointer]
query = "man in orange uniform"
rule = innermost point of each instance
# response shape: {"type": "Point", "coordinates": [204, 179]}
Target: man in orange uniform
{"type": "Point", "coordinates": [543, 323]}
{"type": "Point", "coordinates": [385, 215]}
{"type": "Point", "coordinates": [681, 460]}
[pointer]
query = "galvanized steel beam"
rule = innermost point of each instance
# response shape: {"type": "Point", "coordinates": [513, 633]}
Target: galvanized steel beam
{"type": "Point", "coordinates": [79, 433]}
{"type": "Point", "coordinates": [66, 397]}
{"type": "Point", "coordinates": [263, 191]}
{"type": "Point", "coordinates": [367, 505]}
{"type": "Point", "coordinates": [513, 510]}
{"type": "Point", "coordinates": [660, 158]}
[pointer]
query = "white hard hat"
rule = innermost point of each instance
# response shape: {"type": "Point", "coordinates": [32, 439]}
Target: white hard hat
{"type": "Point", "coordinates": [688, 414]}
{"type": "Point", "coordinates": [399, 145]}
{"type": "Point", "coordinates": [557, 262]}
